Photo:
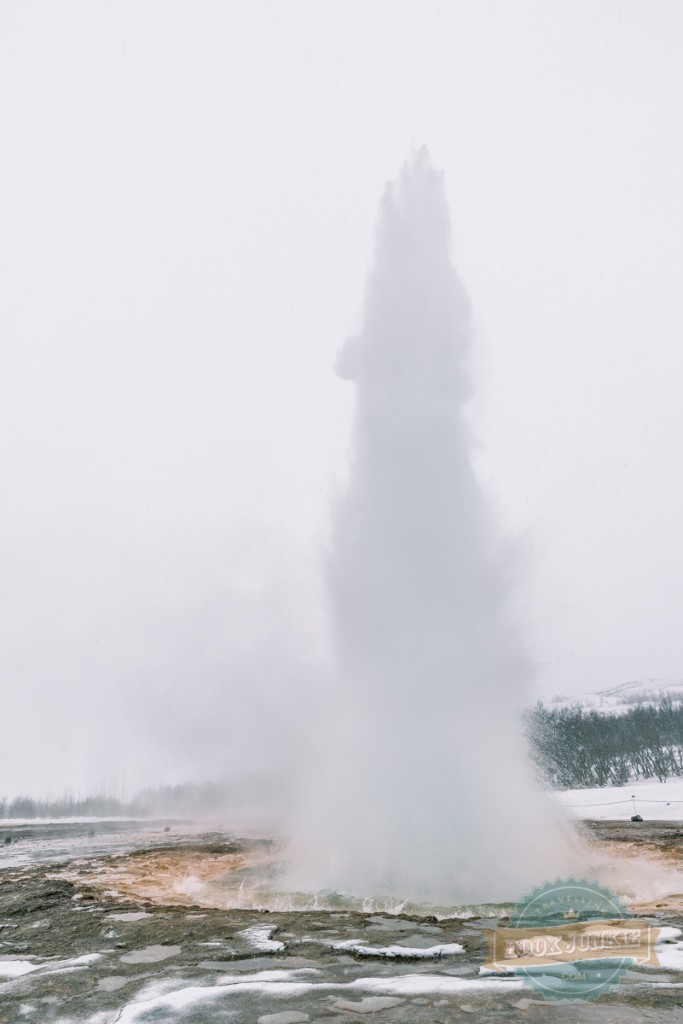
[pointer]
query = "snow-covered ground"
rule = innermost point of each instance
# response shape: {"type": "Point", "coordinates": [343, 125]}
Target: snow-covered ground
{"type": "Point", "coordinates": [36, 841]}
{"type": "Point", "coordinates": [653, 800]}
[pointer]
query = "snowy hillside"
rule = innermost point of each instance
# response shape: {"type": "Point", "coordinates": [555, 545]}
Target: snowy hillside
{"type": "Point", "coordinates": [618, 699]}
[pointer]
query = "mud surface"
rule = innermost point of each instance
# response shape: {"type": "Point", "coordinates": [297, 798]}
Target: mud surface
{"type": "Point", "coordinates": [665, 837]}
{"type": "Point", "coordinates": [121, 932]}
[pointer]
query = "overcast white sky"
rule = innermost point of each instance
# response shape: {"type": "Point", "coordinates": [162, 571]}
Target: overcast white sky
{"type": "Point", "coordinates": [187, 199]}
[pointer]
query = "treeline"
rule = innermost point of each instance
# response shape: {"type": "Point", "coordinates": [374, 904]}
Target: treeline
{"type": "Point", "coordinates": [572, 747]}
{"type": "Point", "coordinates": [64, 807]}
{"type": "Point", "coordinates": [579, 748]}
{"type": "Point", "coordinates": [171, 801]}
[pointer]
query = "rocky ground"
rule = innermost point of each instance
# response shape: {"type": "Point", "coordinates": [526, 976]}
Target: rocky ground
{"type": "Point", "coordinates": [99, 938]}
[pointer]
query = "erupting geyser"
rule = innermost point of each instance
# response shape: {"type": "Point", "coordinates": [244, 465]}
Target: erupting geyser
{"type": "Point", "coordinates": [422, 789]}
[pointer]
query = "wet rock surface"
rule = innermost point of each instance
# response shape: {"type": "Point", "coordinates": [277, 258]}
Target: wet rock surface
{"type": "Point", "coordinates": [663, 836]}
{"type": "Point", "coordinates": [75, 949]}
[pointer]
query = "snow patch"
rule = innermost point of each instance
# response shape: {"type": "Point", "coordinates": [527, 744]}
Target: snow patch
{"type": "Point", "coordinates": [259, 937]}
{"type": "Point", "coordinates": [157, 998]}
{"type": "Point", "coordinates": [269, 977]}
{"type": "Point", "coordinates": [361, 948]}
{"type": "Point", "coordinates": [284, 1017]}
{"type": "Point", "coordinates": [15, 968]}
{"type": "Point", "coordinates": [669, 950]}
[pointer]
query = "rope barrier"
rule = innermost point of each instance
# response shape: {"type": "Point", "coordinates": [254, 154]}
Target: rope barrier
{"type": "Point", "coordinates": [638, 799]}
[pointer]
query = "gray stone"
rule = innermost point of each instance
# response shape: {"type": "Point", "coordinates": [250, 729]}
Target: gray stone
{"type": "Point", "coordinates": [112, 983]}
{"type": "Point", "coordinates": [371, 1004]}
{"type": "Point", "coordinates": [150, 954]}
{"type": "Point", "coordinates": [132, 916]}
{"type": "Point", "coordinates": [254, 963]}
{"type": "Point", "coordinates": [388, 924]}
{"type": "Point", "coordinates": [646, 977]}
{"type": "Point", "coordinates": [284, 1017]}
{"type": "Point", "coordinates": [416, 941]}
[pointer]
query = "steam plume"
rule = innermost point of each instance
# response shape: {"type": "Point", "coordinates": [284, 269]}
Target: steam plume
{"type": "Point", "coordinates": [423, 789]}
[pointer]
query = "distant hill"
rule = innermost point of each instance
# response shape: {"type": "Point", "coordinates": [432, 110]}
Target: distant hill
{"type": "Point", "coordinates": [616, 700]}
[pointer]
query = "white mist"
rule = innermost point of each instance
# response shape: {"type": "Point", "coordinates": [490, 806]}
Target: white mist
{"type": "Point", "coordinates": [421, 789]}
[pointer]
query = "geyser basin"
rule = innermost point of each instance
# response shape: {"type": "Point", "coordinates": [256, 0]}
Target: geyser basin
{"type": "Point", "coordinates": [421, 789]}
{"type": "Point", "coordinates": [644, 866]}
{"type": "Point", "coordinates": [144, 935]}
